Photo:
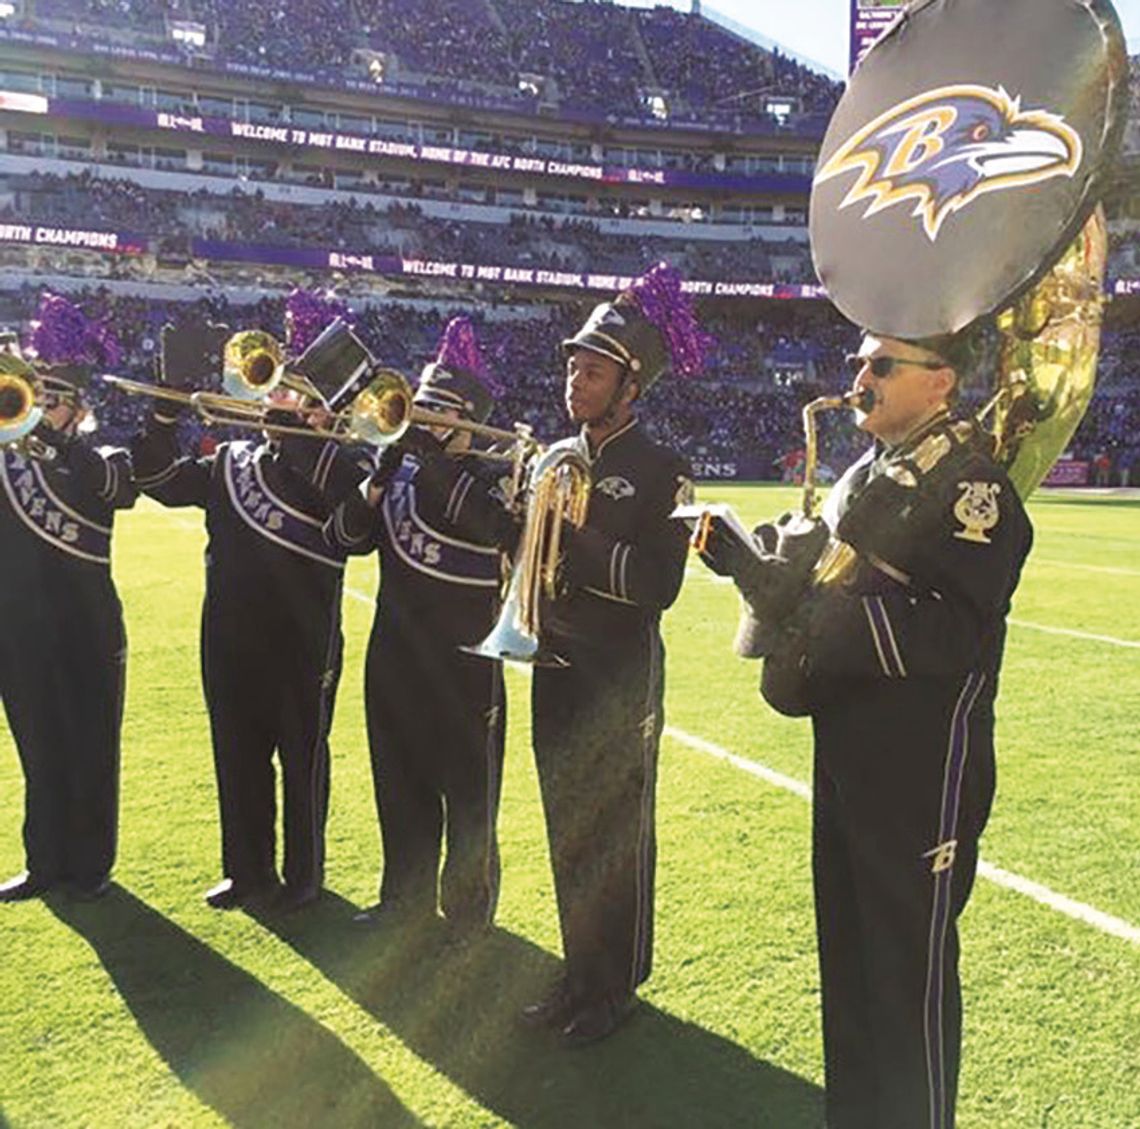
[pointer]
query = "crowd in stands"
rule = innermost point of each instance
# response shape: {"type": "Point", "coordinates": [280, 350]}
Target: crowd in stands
{"type": "Point", "coordinates": [173, 219]}
{"type": "Point", "coordinates": [745, 409]}
{"type": "Point", "coordinates": [590, 55]}
{"type": "Point", "coordinates": [708, 66]}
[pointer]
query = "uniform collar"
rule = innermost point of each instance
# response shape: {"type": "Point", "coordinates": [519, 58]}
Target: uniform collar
{"type": "Point", "coordinates": [915, 437]}
{"type": "Point", "coordinates": [593, 455]}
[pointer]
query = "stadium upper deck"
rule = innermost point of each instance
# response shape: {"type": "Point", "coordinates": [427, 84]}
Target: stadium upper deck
{"type": "Point", "coordinates": [587, 62]}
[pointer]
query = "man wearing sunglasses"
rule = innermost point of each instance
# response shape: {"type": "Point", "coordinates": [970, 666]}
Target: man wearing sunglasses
{"type": "Point", "coordinates": [893, 648]}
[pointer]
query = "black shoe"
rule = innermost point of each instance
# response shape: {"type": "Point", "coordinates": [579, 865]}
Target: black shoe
{"type": "Point", "coordinates": [597, 1020]}
{"type": "Point", "coordinates": [90, 889]}
{"type": "Point", "coordinates": [290, 899]}
{"type": "Point", "coordinates": [229, 894]}
{"type": "Point", "coordinates": [23, 887]}
{"type": "Point", "coordinates": [553, 1011]}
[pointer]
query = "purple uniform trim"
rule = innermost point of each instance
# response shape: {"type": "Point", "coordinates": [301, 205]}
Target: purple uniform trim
{"type": "Point", "coordinates": [959, 748]}
{"type": "Point", "coordinates": [261, 509]}
{"type": "Point", "coordinates": [49, 516]}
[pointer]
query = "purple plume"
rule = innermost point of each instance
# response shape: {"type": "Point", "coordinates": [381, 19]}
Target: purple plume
{"type": "Point", "coordinates": [459, 351]}
{"type": "Point", "coordinates": [658, 295]}
{"type": "Point", "coordinates": [308, 312]}
{"type": "Point", "coordinates": [62, 334]}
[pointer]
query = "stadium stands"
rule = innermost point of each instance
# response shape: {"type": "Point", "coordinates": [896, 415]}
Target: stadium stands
{"type": "Point", "coordinates": [218, 211]}
{"type": "Point", "coordinates": [597, 58]}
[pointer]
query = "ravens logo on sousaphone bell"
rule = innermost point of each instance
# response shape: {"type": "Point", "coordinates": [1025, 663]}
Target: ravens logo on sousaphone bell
{"type": "Point", "coordinates": [944, 148]}
{"type": "Point", "coordinates": [970, 147]}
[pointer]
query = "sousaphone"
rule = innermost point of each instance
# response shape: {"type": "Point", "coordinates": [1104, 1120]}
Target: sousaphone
{"type": "Point", "coordinates": [959, 182]}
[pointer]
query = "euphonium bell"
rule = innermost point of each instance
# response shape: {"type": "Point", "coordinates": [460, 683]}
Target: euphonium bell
{"type": "Point", "coordinates": [253, 364]}
{"type": "Point", "coordinates": [559, 492]}
{"type": "Point", "coordinates": [20, 413]}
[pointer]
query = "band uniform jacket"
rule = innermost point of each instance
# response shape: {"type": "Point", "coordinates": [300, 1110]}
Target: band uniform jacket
{"type": "Point", "coordinates": [902, 658]}
{"type": "Point", "coordinates": [598, 720]}
{"type": "Point", "coordinates": [271, 637]}
{"type": "Point", "coordinates": [436, 715]}
{"type": "Point", "coordinates": [63, 653]}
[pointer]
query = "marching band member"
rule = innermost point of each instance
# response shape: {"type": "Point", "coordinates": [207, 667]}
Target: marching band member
{"type": "Point", "coordinates": [436, 716]}
{"type": "Point", "coordinates": [598, 720]}
{"type": "Point", "coordinates": [898, 667]}
{"type": "Point", "coordinates": [271, 637]}
{"type": "Point", "coordinates": [893, 640]}
{"type": "Point", "coordinates": [63, 648]}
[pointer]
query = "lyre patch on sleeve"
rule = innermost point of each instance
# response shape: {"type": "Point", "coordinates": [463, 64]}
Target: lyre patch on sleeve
{"type": "Point", "coordinates": [977, 509]}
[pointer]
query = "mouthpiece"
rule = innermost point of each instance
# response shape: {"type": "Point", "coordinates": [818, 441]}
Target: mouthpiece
{"type": "Point", "coordinates": [861, 401]}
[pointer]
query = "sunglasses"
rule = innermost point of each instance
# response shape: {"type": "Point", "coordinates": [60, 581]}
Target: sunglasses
{"type": "Point", "coordinates": [883, 366]}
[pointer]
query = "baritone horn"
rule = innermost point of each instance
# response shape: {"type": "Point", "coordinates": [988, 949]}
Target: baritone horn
{"type": "Point", "coordinates": [559, 493]}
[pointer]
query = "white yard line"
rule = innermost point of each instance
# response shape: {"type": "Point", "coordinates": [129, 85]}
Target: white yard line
{"type": "Point", "coordinates": [697, 572]}
{"type": "Point", "coordinates": [1072, 634]}
{"type": "Point", "coordinates": [1111, 570]}
{"type": "Point", "coordinates": [1105, 923]}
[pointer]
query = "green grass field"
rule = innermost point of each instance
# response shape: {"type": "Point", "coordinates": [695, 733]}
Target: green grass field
{"type": "Point", "coordinates": [149, 1009]}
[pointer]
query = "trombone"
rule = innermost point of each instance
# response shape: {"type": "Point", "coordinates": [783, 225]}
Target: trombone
{"type": "Point", "coordinates": [24, 396]}
{"type": "Point", "coordinates": [253, 366]}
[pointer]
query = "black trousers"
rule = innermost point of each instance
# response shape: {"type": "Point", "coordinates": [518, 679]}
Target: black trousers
{"type": "Point", "coordinates": [62, 678]}
{"type": "Point", "coordinates": [271, 687]}
{"type": "Point", "coordinates": [597, 730]}
{"type": "Point", "coordinates": [898, 810]}
{"type": "Point", "coordinates": [436, 727]}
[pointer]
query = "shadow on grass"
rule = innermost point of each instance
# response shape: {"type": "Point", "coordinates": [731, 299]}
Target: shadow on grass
{"type": "Point", "coordinates": [456, 1007]}
{"type": "Point", "coordinates": [249, 1054]}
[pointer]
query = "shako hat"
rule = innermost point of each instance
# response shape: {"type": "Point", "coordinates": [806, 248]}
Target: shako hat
{"type": "Point", "coordinates": [64, 344]}
{"type": "Point", "coordinates": [458, 379]}
{"type": "Point", "coordinates": [649, 327]}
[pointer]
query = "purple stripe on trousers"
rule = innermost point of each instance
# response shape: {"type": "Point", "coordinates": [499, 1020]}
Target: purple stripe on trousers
{"type": "Point", "coordinates": [943, 881]}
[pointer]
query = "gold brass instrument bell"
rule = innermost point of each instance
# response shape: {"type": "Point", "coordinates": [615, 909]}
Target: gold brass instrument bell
{"type": "Point", "coordinates": [253, 364]}
{"type": "Point", "coordinates": [20, 395]}
{"type": "Point", "coordinates": [24, 397]}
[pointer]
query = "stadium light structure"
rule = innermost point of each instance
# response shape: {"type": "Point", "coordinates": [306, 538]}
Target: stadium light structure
{"type": "Point", "coordinates": [379, 66]}
{"type": "Point", "coordinates": [188, 33]}
{"type": "Point", "coordinates": [656, 103]}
